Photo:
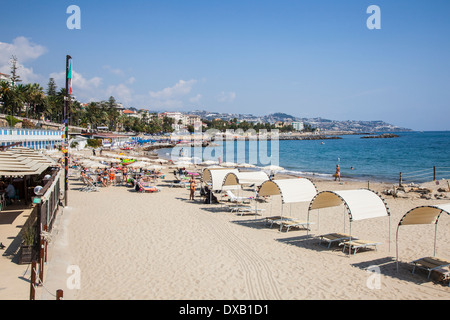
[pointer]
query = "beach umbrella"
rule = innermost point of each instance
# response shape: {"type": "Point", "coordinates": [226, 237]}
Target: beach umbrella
{"type": "Point", "coordinates": [228, 164]}
{"type": "Point", "coordinates": [184, 158]}
{"type": "Point", "coordinates": [94, 165]}
{"type": "Point", "coordinates": [181, 164]}
{"type": "Point", "coordinates": [137, 164]}
{"type": "Point", "coordinates": [208, 163]}
{"type": "Point", "coordinates": [160, 161]}
{"type": "Point", "coordinates": [184, 163]}
{"type": "Point", "coordinates": [246, 165]}
{"type": "Point", "coordinates": [273, 168]}
{"type": "Point", "coordinates": [154, 167]}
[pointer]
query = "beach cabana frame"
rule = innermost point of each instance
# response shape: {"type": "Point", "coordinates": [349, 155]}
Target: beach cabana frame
{"type": "Point", "coordinates": [423, 215]}
{"type": "Point", "coordinates": [244, 178]}
{"type": "Point", "coordinates": [359, 204]}
{"type": "Point", "coordinates": [291, 191]}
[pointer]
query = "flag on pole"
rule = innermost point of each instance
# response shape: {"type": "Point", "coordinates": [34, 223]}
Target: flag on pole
{"type": "Point", "coordinates": [69, 77]}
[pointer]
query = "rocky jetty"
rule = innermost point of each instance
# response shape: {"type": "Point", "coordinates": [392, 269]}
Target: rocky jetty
{"type": "Point", "coordinates": [381, 136]}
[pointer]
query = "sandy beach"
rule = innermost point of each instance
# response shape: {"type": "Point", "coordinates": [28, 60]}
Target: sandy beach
{"type": "Point", "coordinates": [128, 245]}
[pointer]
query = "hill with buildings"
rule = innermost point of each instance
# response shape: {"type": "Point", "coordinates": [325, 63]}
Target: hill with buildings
{"type": "Point", "coordinates": [320, 123]}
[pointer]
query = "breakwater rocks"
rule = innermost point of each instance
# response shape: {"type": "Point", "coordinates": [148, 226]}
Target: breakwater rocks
{"type": "Point", "coordinates": [281, 137]}
{"type": "Point", "coordinates": [381, 136]}
{"type": "Point", "coordinates": [309, 137]}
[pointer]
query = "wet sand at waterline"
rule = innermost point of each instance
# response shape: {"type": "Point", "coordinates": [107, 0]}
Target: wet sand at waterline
{"type": "Point", "coordinates": [130, 245]}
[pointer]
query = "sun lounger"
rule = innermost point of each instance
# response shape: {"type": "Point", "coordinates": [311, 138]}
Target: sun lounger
{"type": "Point", "coordinates": [357, 244]}
{"type": "Point", "coordinates": [243, 209]}
{"type": "Point", "coordinates": [430, 264]}
{"type": "Point", "coordinates": [294, 223]}
{"type": "Point", "coordinates": [180, 184]}
{"type": "Point", "coordinates": [283, 221]}
{"type": "Point", "coordinates": [147, 188]}
{"type": "Point", "coordinates": [334, 237]}
{"type": "Point", "coordinates": [234, 198]}
{"type": "Point", "coordinates": [272, 219]}
{"type": "Point", "coordinates": [88, 185]}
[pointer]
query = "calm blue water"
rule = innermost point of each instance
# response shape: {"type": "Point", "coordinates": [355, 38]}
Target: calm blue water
{"type": "Point", "coordinates": [413, 153]}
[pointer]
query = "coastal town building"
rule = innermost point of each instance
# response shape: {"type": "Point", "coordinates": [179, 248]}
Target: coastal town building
{"type": "Point", "coordinates": [298, 126]}
{"type": "Point", "coordinates": [130, 113]}
{"type": "Point", "coordinates": [5, 77]}
{"type": "Point", "coordinates": [31, 138]}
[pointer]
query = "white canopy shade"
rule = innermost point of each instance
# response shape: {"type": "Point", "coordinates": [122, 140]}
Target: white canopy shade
{"type": "Point", "coordinates": [423, 215]}
{"type": "Point", "coordinates": [361, 204]}
{"type": "Point", "coordinates": [291, 190]}
{"type": "Point", "coordinates": [252, 177]}
{"type": "Point", "coordinates": [217, 177]}
{"type": "Point", "coordinates": [207, 172]}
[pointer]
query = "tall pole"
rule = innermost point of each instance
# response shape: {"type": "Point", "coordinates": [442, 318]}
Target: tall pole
{"type": "Point", "coordinates": [66, 132]}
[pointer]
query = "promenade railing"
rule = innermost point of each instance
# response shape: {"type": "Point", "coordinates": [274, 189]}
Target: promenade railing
{"type": "Point", "coordinates": [424, 175]}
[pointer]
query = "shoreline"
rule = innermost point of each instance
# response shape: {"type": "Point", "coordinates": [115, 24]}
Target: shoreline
{"type": "Point", "coordinates": [162, 153]}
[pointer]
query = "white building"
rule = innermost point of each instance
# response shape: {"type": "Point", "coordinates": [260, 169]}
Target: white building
{"type": "Point", "coordinates": [31, 138]}
{"type": "Point", "coordinates": [297, 125]}
{"type": "Point", "coordinates": [5, 77]}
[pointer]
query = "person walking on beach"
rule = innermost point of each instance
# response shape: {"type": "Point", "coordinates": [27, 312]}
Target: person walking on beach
{"type": "Point", "coordinates": [338, 173]}
{"type": "Point", "coordinates": [192, 188]}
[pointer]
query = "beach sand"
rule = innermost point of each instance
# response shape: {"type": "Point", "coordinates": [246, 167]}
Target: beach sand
{"type": "Point", "coordinates": [129, 245]}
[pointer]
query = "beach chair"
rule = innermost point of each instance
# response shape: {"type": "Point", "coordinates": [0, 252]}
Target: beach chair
{"type": "Point", "coordinates": [331, 238]}
{"type": "Point", "coordinates": [88, 185]}
{"type": "Point", "coordinates": [245, 208]}
{"type": "Point", "coordinates": [431, 264]}
{"type": "Point", "coordinates": [151, 189]}
{"type": "Point", "coordinates": [294, 223]}
{"type": "Point", "coordinates": [271, 220]}
{"type": "Point", "coordinates": [358, 244]}
{"type": "Point", "coordinates": [236, 199]}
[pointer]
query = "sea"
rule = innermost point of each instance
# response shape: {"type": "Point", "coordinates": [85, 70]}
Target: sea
{"type": "Point", "coordinates": [416, 157]}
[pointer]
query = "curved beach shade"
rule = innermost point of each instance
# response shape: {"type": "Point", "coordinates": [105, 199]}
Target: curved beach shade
{"type": "Point", "coordinates": [217, 177]}
{"type": "Point", "coordinates": [240, 178]}
{"type": "Point", "coordinates": [360, 204]}
{"type": "Point", "coordinates": [423, 215]}
{"type": "Point", "coordinates": [206, 175]}
{"type": "Point", "coordinates": [291, 190]}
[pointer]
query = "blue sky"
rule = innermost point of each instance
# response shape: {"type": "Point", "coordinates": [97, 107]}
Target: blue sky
{"type": "Point", "coordinates": [305, 58]}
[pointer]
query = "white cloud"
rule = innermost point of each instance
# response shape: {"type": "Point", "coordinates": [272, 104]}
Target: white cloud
{"type": "Point", "coordinates": [172, 97]}
{"type": "Point", "coordinates": [179, 89]}
{"type": "Point", "coordinates": [195, 99]}
{"type": "Point", "coordinates": [120, 92]}
{"type": "Point", "coordinates": [24, 51]}
{"type": "Point", "coordinates": [113, 70]}
{"type": "Point", "coordinates": [131, 80]}
{"type": "Point", "coordinates": [226, 96]}
{"type": "Point", "coordinates": [22, 48]}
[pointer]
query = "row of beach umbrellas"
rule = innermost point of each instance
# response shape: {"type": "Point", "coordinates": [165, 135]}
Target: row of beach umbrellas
{"type": "Point", "coordinates": [155, 164]}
